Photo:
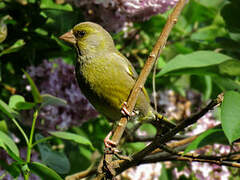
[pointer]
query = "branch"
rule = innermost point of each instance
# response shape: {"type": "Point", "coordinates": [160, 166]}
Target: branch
{"type": "Point", "coordinates": [160, 44]}
{"type": "Point", "coordinates": [136, 138]}
{"type": "Point", "coordinates": [219, 160]}
{"type": "Point", "coordinates": [136, 158]}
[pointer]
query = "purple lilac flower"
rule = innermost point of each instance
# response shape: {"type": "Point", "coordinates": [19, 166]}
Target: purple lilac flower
{"type": "Point", "coordinates": [144, 9]}
{"type": "Point", "coordinates": [114, 15]}
{"type": "Point", "coordinates": [58, 79]}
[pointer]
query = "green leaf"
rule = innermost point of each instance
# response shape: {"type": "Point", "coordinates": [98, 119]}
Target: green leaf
{"type": "Point", "coordinates": [149, 128]}
{"type": "Point", "coordinates": [194, 60]}
{"type": "Point", "coordinates": [3, 29]}
{"type": "Point", "coordinates": [130, 148]}
{"type": "Point", "coordinates": [231, 68]}
{"type": "Point", "coordinates": [164, 174]}
{"type": "Point", "coordinates": [60, 21]}
{"type": "Point", "coordinates": [14, 48]}
{"type": "Point", "coordinates": [196, 12]}
{"type": "Point", "coordinates": [160, 62]}
{"type": "Point", "coordinates": [48, 99]}
{"type": "Point", "coordinates": [25, 105]}
{"type": "Point", "coordinates": [36, 94]}
{"type": "Point", "coordinates": [53, 159]}
{"type": "Point", "coordinates": [72, 137]}
{"type": "Point", "coordinates": [43, 171]}
{"type": "Point", "coordinates": [208, 90]}
{"type": "Point", "coordinates": [14, 99]}
{"type": "Point", "coordinates": [53, 5]}
{"type": "Point", "coordinates": [209, 137]}
{"type": "Point", "coordinates": [3, 126]}
{"type": "Point", "coordinates": [208, 34]}
{"type": "Point", "coordinates": [226, 84]}
{"type": "Point", "coordinates": [6, 109]}
{"type": "Point", "coordinates": [13, 169]}
{"type": "Point", "coordinates": [230, 13]}
{"type": "Point", "coordinates": [213, 4]}
{"type": "Point", "coordinates": [18, 102]}
{"type": "Point", "coordinates": [8, 142]}
{"type": "Point", "coordinates": [230, 115]}
{"type": "Point", "coordinates": [15, 157]}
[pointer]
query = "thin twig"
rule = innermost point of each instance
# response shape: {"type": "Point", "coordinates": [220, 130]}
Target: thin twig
{"type": "Point", "coordinates": [219, 160]}
{"type": "Point", "coordinates": [136, 138]}
{"type": "Point", "coordinates": [136, 158]}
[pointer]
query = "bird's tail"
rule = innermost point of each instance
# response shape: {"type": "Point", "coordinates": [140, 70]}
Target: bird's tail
{"type": "Point", "coordinates": [158, 119]}
{"type": "Point", "coordinates": [163, 120]}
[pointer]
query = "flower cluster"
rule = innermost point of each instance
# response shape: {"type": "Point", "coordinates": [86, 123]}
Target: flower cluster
{"type": "Point", "coordinates": [58, 79]}
{"type": "Point", "coordinates": [113, 15]}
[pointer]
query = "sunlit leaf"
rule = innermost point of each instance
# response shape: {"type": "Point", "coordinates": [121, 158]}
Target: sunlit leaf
{"type": "Point", "coordinates": [14, 99]}
{"type": "Point", "coordinates": [198, 59]}
{"type": "Point", "coordinates": [25, 105]}
{"type": "Point", "coordinates": [209, 137]}
{"type": "Point", "coordinates": [3, 126]}
{"type": "Point", "coordinates": [14, 48]}
{"type": "Point", "coordinates": [8, 142]}
{"type": "Point", "coordinates": [6, 109]}
{"type": "Point", "coordinates": [231, 67]}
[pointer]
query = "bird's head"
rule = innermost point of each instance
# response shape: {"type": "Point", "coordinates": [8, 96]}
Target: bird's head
{"type": "Point", "coordinates": [89, 38]}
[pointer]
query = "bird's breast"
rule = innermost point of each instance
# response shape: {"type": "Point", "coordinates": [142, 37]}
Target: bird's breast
{"type": "Point", "coordinates": [104, 85]}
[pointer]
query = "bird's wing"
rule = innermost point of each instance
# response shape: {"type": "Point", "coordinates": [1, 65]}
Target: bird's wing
{"type": "Point", "coordinates": [131, 71]}
{"type": "Point", "coordinates": [128, 66]}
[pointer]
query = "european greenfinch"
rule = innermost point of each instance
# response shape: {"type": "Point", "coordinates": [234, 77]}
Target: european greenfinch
{"type": "Point", "coordinates": [105, 76]}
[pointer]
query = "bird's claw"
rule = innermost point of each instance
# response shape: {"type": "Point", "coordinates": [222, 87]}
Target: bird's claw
{"type": "Point", "coordinates": [125, 111]}
{"type": "Point", "coordinates": [110, 146]}
{"type": "Point", "coordinates": [109, 143]}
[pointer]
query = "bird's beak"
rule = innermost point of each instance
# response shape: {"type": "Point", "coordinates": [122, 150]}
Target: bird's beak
{"type": "Point", "coordinates": [68, 37]}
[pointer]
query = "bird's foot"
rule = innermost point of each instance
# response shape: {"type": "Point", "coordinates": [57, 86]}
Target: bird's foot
{"type": "Point", "coordinates": [108, 142]}
{"type": "Point", "coordinates": [125, 111]}
{"type": "Point", "coordinates": [110, 146]}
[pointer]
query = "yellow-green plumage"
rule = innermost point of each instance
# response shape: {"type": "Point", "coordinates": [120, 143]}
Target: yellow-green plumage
{"type": "Point", "coordinates": [104, 75]}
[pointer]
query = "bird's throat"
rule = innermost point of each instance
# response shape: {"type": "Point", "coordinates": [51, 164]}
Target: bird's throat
{"type": "Point", "coordinates": [78, 50]}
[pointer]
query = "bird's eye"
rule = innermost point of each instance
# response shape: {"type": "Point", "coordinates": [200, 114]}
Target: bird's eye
{"type": "Point", "coordinates": [80, 34]}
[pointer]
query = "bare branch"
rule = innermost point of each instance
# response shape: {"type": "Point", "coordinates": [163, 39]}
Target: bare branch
{"type": "Point", "coordinates": [136, 158]}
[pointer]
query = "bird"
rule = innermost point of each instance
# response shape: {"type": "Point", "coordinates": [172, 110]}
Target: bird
{"type": "Point", "coordinates": [105, 76]}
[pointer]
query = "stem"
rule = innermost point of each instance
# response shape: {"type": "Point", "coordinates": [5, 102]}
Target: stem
{"type": "Point", "coordinates": [21, 130]}
{"type": "Point", "coordinates": [42, 140]}
{"type": "Point", "coordinates": [29, 145]}
{"type": "Point", "coordinates": [26, 176]}
{"type": "Point", "coordinates": [31, 136]}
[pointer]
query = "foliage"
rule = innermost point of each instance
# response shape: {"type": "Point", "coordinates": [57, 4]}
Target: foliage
{"type": "Point", "coordinates": [202, 55]}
